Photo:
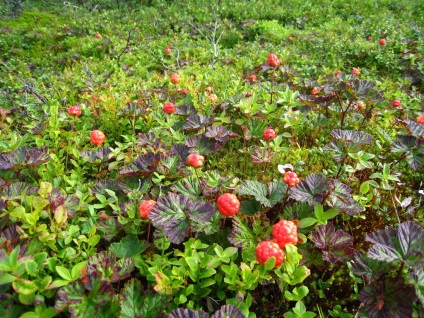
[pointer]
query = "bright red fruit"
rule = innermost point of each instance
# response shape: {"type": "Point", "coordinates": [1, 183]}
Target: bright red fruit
{"type": "Point", "coordinates": [97, 137]}
{"type": "Point", "coordinates": [267, 249]}
{"type": "Point", "coordinates": [269, 134]}
{"type": "Point", "coordinates": [273, 60]}
{"type": "Point", "coordinates": [355, 71]}
{"type": "Point", "coordinates": [145, 208]}
{"type": "Point", "coordinates": [291, 179]}
{"type": "Point", "coordinates": [169, 108]}
{"type": "Point", "coordinates": [195, 160]}
{"type": "Point", "coordinates": [369, 38]}
{"type": "Point", "coordinates": [167, 51]}
{"type": "Point", "coordinates": [228, 204]}
{"type": "Point", "coordinates": [361, 105]}
{"type": "Point", "coordinates": [396, 103]}
{"type": "Point", "coordinates": [175, 78]}
{"type": "Point", "coordinates": [253, 78]}
{"type": "Point", "coordinates": [337, 73]}
{"type": "Point", "coordinates": [315, 91]}
{"type": "Point", "coordinates": [98, 35]}
{"type": "Point", "coordinates": [285, 232]}
{"type": "Point", "coordinates": [382, 42]}
{"type": "Point", "coordinates": [74, 111]}
{"type": "Point", "coordinates": [420, 119]}
{"type": "Point", "coordinates": [184, 91]}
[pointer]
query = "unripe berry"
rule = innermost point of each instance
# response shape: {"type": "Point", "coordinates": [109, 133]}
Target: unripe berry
{"type": "Point", "coordinates": [355, 71]}
{"type": "Point", "coordinates": [420, 119]}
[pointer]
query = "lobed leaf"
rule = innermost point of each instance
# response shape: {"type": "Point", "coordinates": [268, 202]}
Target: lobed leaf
{"type": "Point", "coordinates": [196, 122]}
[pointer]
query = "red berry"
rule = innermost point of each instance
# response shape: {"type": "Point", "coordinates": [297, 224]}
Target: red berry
{"type": "Point", "coordinates": [269, 134]}
{"type": "Point", "coordinates": [267, 249]}
{"type": "Point", "coordinates": [169, 108]}
{"type": "Point", "coordinates": [369, 38]}
{"type": "Point", "coordinates": [184, 91]}
{"type": "Point", "coordinates": [382, 42]}
{"type": "Point", "coordinates": [291, 179]}
{"type": "Point", "coordinates": [228, 204]}
{"type": "Point", "coordinates": [361, 105]}
{"type": "Point", "coordinates": [74, 111]}
{"type": "Point", "coordinates": [212, 98]}
{"type": "Point", "coordinates": [273, 60]}
{"type": "Point", "coordinates": [145, 208]}
{"type": "Point", "coordinates": [175, 37]}
{"type": "Point", "coordinates": [337, 73]}
{"type": "Point", "coordinates": [396, 103]}
{"type": "Point", "coordinates": [285, 232]}
{"type": "Point", "coordinates": [420, 119]}
{"type": "Point", "coordinates": [194, 160]}
{"type": "Point", "coordinates": [290, 38]}
{"type": "Point", "coordinates": [167, 51]}
{"type": "Point", "coordinates": [97, 137]}
{"type": "Point", "coordinates": [175, 78]}
{"type": "Point", "coordinates": [315, 91]}
{"type": "Point", "coordinates": [98, 35]}
{"type": "Point", "coordinates": [253, 78]}
{"type": "Point", "coordinates": [355, 71]}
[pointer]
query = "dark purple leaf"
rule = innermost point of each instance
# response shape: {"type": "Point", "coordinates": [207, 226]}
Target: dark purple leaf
{"type": "Point", "coordinates": [311, 100]}
{"type": "Point", "coordinates": [133, 110]}
{"type": "Point", "coordinates": [110, 228]}
{"type": "Point", "coordinates": [129, 184]}
{"type": "Point", "coordinates": [102, 185]}
{"type": "Point", "coordinates": [353, 136]}
{"type": "Point", "coordinates": [181, 150]}
{"type": "Point", "coordinates": [2, 204]}
{"type": "Point", "coordinates": [185, 110]}
{"type": "Point", "coordinates": [341, 198]}
{"type": "Point", "coordinates": [147, 139]}
{"type": "Point", "coordinates": [187, 313]}
{"type": "Point", "coordinates": [144, 165]}
{"type": "Point", "coordinates": [261, 155]}
{"type": "Point", "coordinates": [416, 278]}
{"type": "Point", "coordinates": [171, 167]}
{"type": "Point", "coordinates": [103, 154]}
{"type": "Point", "coordinates": [413, 147]}
{"type": "Point", "coordinates": [311, 190]}
{"type": "Point", "coordinates": [175, 215]}
{"type": "Point", "coordinates": [415, 129]}
{"type": "Point", "coordinates": [204, 146]}
{"type": "Point", "coordinates": [335, 245]}
{"type": "Point", "coordinates": [14, 191]}
{"type": "Point", "coordinates": [23, 158]}
{"type": "Point", "coordinates": [228, 311]}
{"type": "Point", "coordinates": [366, 90]}
{"type": "Point", "coordinates": [189, 187]}
{"type": "Point", "coordinates": [220, 133]}
{"type": "Point", "coordinates": [372, 269]}
{"type": "Point", "coordinates": [67, 295]}
{"type": "Point", "coordinates": [388, 298]}
{"type": "Point", "coordinates": [197, 122]}
{"type": "Point", "coordinates": [406, 243]}
{"type": "Point", "coordinates": [337, 150]}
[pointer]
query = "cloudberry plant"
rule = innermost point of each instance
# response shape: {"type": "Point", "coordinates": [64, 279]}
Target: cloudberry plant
{"type": "Point", "coordinates": [195, 160]}
{"type": "Point", "coordinates": [269, 134]}
{"type": "Point", "coordinates": [97, 137]}
{"type": "Point", "coordinates": [74, 111]}
{"type": "Point", "coordinates": [285, 232]}
{"type": "Point", "coordinates": [291, 178]}
{"type": "Point", "coordinates": [273, 60]}
{"type": "Point", "coordinates": [169, 108]}
{"type": "Point", "coordinates": [267, 249]}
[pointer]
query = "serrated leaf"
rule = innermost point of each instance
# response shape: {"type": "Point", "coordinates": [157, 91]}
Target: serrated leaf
{"type": "Point", "coordinates": [250, 207]}
{"type": "Point", "coordinates": [189, 187]}
{"type": "Point", "coordinates": [185, 110]}
{"type": "Point", "coordinates": [204, 145]}
{"type": "Point", "coordinates": [129, 246]}
{"type": "Point", "coordinates": [370, 268]}
{"type": "Point", "coordinates": [144, 165]}
{"type": "Point", "coordinates": [196, 122]}
{"type": "Point", "coordinates": [261, 155]}
{"type": "Point", "coordinates": [147, 139]}
{"type": "Point", "coordinates": [335, 245]}
{"type": "Point", "coordinates": [174, 214]}
{"type": "Point", "coordinates": [131, 300]}
{"type": "Point", "coordinates": [383, 299]}
{"type": "Point", "coordinates": [220, 133]}
{"type": "Point", "coordinates": [341, 197]}
{"type": "Point", "coordinates": [133, 110]}
{"type": "Point", "coordinates": [353, 136]}
{"type": "Point", "coordinates": [268, 195]}
{"type": "Point", "coordinates": [416, 278]}
{"type": "Point", "coordinates": [108, 267]}
{"type": "Point", "coordinates": [310, 190]}
{"type": "Point", "coordinates": [181, 150]}
{"type": "Point", "coordinates": [102, 154]}
{"type": "Point", "coordinates": [23, 158]}
{"type": "Point", "coordinates": [415, 129]}
{"type": "Point", "coordinates": [241, 235]}
{"type": "Point", "coordinates": [254, 129]}
{"type": "Point", "coordinates": [228, 311]}
{"type": "Point", "coordinates": [187, 313]}
{"type": "Point", "coordinates": [72, 293]}
{"type": "Point", "coordinates": [337, 150]}
{"type": "Point", "coordinates": [406, 243]}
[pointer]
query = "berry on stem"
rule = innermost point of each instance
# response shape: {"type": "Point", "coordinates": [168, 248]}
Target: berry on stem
{"type": "Point", "coordinates": [175, 78]}
{"type": "Point", "coordinates": [74, 111]}
{"type": "Point", "coordinates": [273, 60]}
{"type": "Point", "coordinates": [195, 160]}
{"type": "Point", "coordinates": [169, 108]}
{"type": "Point", "coordinates": [168, 51]}
{"type": "Point", "coordinates": [145, 208]}
{"type": "Point", "coordinates": [382, 42]}
{"type": "Point", "coordinates": [396, 103]}
{"type": "Point", "coordinates": [267, 249]}
{"type": "Point", "coordinates": [420, 119]}
{"type": "Point", "coordinates": [228, 204]}
{"type": "Point", "coordinates": [97, 137]}
{"type": "Point", "coordinates": [355, 71]}
{"type": "Point", "coordinates": [269, 134]}
{"type": "Point", "coordinates": [285, 232]}
{"type": "Point", "coordinates": [291, 178]}
{"type": "Point", "coordinates": [315, 91]}
{"type": "Point", "coordinates": [337, 73]}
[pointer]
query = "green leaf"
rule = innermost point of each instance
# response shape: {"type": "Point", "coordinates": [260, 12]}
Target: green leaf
{"type": "Point", "coordinates": [270, 263]}
{"type": "Point", "coordinates": [77, 269]}
{"type": "Point", "coordinates": [129, 246]}
{"type": "Point", "coordinates": [297, 294]}
{"type": "Point", "coordinates": [131, 299]}
{"type": "Point", "coordinates": [23, 286]}
{"type": "Point", "coordinates": [64, 273]}
{"type": "Point", "coordinates": [207, 282]}
{"type": "Point", "coordinates": [6, 278]}
{"type": "Point", "coordinates": [306, 222]}
{"type": "Point", "coordinates": [58, 283]}
{"type": "Point", "coordinates": [268, 195]}
{"type": "Point", "coordinates": [365, 187]}
{"type": "Point", "coordinates": [192, 263]}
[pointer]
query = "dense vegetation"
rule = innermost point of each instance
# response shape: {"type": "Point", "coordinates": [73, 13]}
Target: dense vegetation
{"type": "Point", "coordinates": [212, 158]}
